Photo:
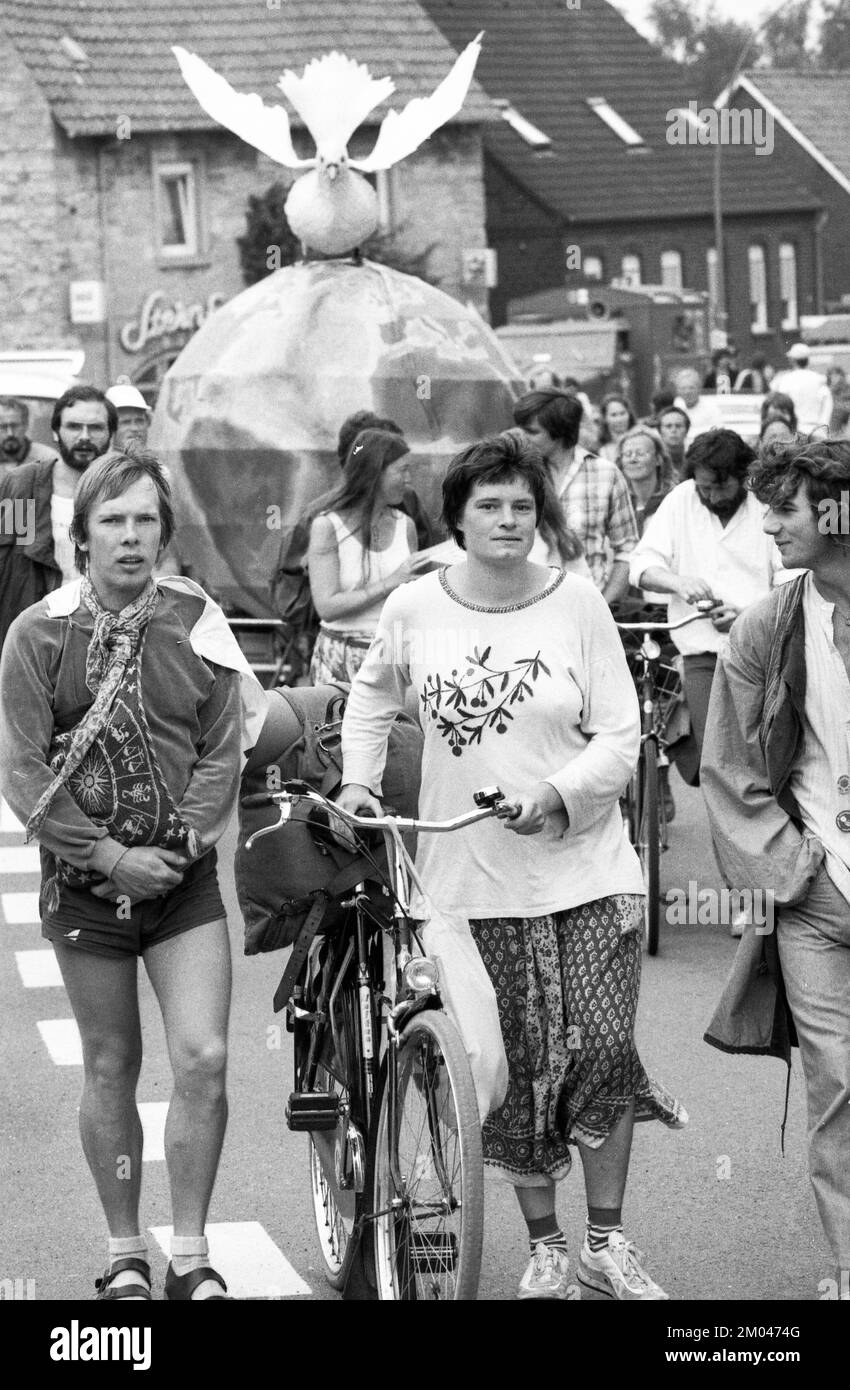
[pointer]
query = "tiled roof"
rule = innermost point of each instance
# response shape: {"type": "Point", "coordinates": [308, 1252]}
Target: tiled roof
{"type": "Point", "coordinates": [547, 58]}
{"type": "Point", "coordinates": [132, 72]}
{"type": "Point", "coordinates": [816, 104]}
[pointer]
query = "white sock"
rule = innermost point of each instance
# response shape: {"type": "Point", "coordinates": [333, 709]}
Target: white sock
{"type": "Point", "coordinates": [188, 1253]}
{"type": "Point", "coordinates": [120, 1247]}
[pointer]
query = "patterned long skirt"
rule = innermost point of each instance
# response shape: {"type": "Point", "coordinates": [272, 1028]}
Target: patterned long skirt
{"type": "Point", "coordinates": [338, 656]}
{"type": "Point", "coordinates": [567, 988]}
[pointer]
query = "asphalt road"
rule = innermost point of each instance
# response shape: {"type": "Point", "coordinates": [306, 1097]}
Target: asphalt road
{"type": "Point", "coordinates": [719, 1211]}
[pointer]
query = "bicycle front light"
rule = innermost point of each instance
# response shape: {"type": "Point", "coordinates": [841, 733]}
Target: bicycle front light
{"type": "Point", "coordinates": [651, 648]}
{"type": "Point", "coordinates": [421, 975]}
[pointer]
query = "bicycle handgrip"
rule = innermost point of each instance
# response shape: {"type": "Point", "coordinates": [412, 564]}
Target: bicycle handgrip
{"type": "Point", "coordinates": [257, 799]}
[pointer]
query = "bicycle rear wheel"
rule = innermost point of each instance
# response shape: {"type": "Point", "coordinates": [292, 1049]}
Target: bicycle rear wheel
{"type": "Point", "coordinates": [337, 1156]}
{"type": "Point", "coordinates": [429, 1221]}
{"type": "Point", "coordinates": [649, 839]}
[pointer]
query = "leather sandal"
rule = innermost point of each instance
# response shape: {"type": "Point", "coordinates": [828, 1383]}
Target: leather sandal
{"type": "Point", "coordinates": [104, 1284]}
{"type": "Point", "coordinates": [180, 1287]}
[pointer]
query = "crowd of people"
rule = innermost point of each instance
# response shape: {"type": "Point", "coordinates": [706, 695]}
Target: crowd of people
{"type": "Point", "coordinates": [127, 703]}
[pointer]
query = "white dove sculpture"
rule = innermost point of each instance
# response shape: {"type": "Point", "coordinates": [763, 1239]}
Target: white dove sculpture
{"type": "Point", "coordinates": [332, 209]}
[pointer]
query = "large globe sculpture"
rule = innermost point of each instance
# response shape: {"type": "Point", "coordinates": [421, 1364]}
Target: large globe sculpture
{"type": "Point", "coordinates": [248, 415]}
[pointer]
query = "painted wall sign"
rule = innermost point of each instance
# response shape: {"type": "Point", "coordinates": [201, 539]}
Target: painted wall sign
{"type": "Point", "coordinates": [159, 317]}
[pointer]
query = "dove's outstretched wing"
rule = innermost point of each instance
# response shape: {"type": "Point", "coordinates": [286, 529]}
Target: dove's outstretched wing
{"type": "Point", "coordinates": [402, 132]}
{"type": "Point", "coordinates": [334, 97]}
{"type": "Point", "coordinates": [264, 127]}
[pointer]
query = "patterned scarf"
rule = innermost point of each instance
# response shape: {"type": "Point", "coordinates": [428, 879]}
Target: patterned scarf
{"type": "Point", "coordinates": [113, 646]}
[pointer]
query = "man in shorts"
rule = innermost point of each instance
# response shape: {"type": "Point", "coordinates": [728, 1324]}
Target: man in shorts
{"type": "Point", "coordinates": [122, 723]}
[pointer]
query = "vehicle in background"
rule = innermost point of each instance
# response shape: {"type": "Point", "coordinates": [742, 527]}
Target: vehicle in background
{"type": "Point", "coordinates": [828, 336]}
{"type": "Point", "coordinates": [610, 338]}
{"type": "Point", "coordinates": [39, 379]}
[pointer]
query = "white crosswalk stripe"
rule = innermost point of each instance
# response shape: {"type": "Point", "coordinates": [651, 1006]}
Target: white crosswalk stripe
{"type": "Point", "coordinates": [38, 969]}
{"type": "Point", "coordinates": [153, 1113]}
{"type": "Point", "coordinates": [247, 1258]}
{"type": "Point", "coordinates": [62, 1039]}
{"type": "Point", "coordinates": [19, 908]}
{"type": "Point", "coordinates": [19, 859]}
{"type": "Point", "coordinates": [8, 820]}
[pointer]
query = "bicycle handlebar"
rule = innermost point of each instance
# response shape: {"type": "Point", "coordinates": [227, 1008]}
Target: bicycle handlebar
{"type": "Point", "coordinates": [706, 606]}
{"type": "Point", "coordinates": [496, 806]}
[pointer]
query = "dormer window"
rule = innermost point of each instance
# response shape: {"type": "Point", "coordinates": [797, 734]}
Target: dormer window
{"type": "Point", "coordinates": [615, 122]}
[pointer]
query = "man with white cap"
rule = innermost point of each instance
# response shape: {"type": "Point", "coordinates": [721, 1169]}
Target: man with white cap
{"type": "Point", "coordinates": [134, 414]}
{"type": "Point", "coordinates": [807, 388]}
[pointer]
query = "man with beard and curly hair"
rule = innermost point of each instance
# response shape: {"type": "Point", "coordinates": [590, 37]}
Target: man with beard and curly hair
{"type": "Point", "coordinates": [706, 541]}
{"type": "Point", "coordinates": [37, 503]}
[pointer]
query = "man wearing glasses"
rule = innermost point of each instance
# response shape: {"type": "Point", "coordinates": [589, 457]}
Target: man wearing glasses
{"type": "Point", "coordinates": [37, 503]}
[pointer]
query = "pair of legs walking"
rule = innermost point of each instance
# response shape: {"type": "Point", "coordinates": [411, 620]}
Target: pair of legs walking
{"type": "Point", "coordinates": [814, 948]}
{"type": "Point", "coordinates": [191, 977]}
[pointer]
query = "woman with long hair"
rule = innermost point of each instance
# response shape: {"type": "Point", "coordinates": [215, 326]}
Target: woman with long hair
{"type": "Point", "coordinates": [617, 417]}
{"type": "Point", "coordinates": [361, 548]}
{"type": "Point", "coordinates": [647, 468]}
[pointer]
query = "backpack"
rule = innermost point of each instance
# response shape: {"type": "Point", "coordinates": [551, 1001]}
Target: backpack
{"type": "Point", "coordinates": [278, 880]}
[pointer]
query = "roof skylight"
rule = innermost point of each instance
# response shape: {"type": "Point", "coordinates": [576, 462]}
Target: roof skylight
{"type": "Point", "coordinates": [530, 133]}
{"type": "Point", "coordinates": [615, 122]}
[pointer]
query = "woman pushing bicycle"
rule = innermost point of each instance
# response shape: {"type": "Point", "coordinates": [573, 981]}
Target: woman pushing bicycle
{"type": "Point", "coordinates": [520, 678]}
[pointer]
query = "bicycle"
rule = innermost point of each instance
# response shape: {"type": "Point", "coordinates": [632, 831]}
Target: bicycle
{"type": "Point", "coordinates": [659, 690]}
{"type": "Point", "coordinates": [382, 1081]}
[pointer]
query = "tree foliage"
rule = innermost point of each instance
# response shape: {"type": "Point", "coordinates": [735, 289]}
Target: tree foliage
{"type": "Point", "coordinates": [715, 47]}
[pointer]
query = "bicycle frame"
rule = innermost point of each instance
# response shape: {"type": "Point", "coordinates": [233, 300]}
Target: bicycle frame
{"type": "Point", "coordinates": [351, 951]}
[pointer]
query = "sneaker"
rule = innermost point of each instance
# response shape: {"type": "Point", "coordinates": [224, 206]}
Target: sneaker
{"type": "Point", "coordinates": [616, 1272]}
{"type": "Point", "coordinates": [546, 1276]}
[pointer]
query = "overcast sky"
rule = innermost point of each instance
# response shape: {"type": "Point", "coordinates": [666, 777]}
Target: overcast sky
{"type": "Point", "coordinates": [750, 10]}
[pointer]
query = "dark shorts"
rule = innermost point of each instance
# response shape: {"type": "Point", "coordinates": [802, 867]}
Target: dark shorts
{"type": "Point", "coordinates": [94, 925]}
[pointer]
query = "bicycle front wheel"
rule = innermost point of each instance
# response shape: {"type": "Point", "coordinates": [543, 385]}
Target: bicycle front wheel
{"type": "Point", "coordinates": [427, 1169]}
{"type": "Point", "coordinates": [649, 840]}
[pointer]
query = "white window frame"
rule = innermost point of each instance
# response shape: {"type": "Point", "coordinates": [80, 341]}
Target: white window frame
{"type": "Point", "coordinates": [788, 284]}
{"type": "Point", "coordinates": [385, 191]}
{"type": "Point", "coordinates": [671, 260]}
{"type": "Point", "coordinates": [757, 281]}
{"type": "Point", "coordinates": [627, 277]}
{"type": "Point", "coordinates": [191, 214]}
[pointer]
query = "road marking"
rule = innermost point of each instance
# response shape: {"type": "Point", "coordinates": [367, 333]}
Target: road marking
{"type": "Point", "coordinates": [8, 820]}
{"type": "Point", "coordinates": [153, 1113]}
{"type": "Point", "coordinates": [20, 859]}
{"type": "Point", "coordinates": [20, 908]}
{"type": "Point", "coordinates": [247, 1258]}
{"type": "Point", "coordinates": [38, 969]}
{"type": "Point", "coordinates": [62, 1039]}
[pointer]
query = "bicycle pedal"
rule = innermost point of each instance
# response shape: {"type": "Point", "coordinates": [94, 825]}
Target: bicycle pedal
{"type": "Point", "coordinates": [316, 1110]}
{"type": "Point", "coordinates": [431, 1251]}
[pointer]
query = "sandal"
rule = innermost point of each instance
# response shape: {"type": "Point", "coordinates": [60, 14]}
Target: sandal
{"type": "Point", "coordinates": [180, 1287]}
{"type": "Point", "coordinates": [104, 1284]}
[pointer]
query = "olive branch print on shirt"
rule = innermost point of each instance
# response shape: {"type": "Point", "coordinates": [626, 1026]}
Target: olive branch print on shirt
{"type": "Point", "coordinates": [479, 698]}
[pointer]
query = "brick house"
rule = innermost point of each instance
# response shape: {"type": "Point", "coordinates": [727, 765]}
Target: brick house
{"type": "Point", "coordinates": [811, 135]}
{"type": "Point", "coordinates": [123, 200]}
{"type": "Point", "coordinates": [583, 182]}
